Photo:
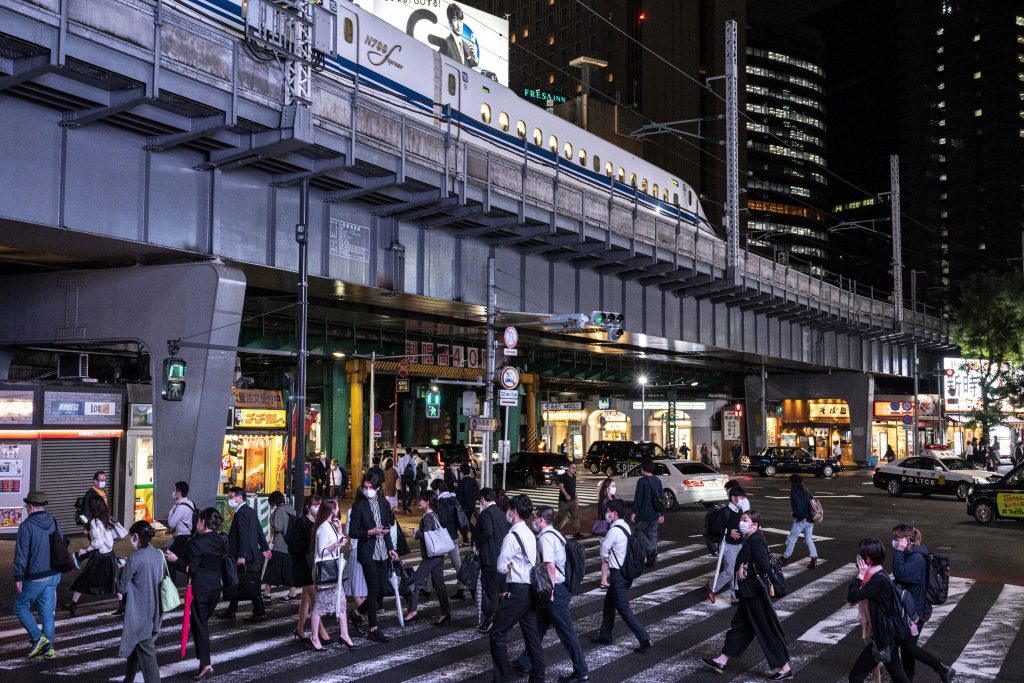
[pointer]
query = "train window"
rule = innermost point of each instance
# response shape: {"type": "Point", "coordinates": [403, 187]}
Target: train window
{"type": "Point", "coordinates": [664, 195]}
{"type": "Point", "coordinates": [583, 157]}
{"type": "Point", "coordinates": [643, 185]}
{"type": "Point", "coordinates": [503, 121]}
{"type": "Point", "coordinates": [553, 144]}
{"type": "Point", "coordinates": [675, 198]}
{"type": "Point", "coordinates": [597, 164]}
{"type": "Point", "coordinates": [655, 192]}
{"type": "Point", "coordinates": [622, 175]}
{"type": "Point", "coordinates": [538, 137]}
{"type": "Point", "coordinates": [485, 113]}
{"type": "Point", "coordinates": [632, 179]}
{"type": "Point", "coordinates": [690, 198]}
{"type": "Point", "coordinates": [451, 84]}
{"type": "Point", "coordinates": [567, 151]}
{"type": "Point", "coordinates": [349, 30]}
{"type": "Point", "coordinates": [609, 170]}
{"type": "Point", "coordinates": [521, 130]}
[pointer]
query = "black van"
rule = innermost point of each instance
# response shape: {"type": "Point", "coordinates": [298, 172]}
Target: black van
{"type": "Point", "coordinates": [615, 457]}
{"type": "Point", "coordinates": [999, 499]}
{"type": "Point", "coordinates": [531, 470]}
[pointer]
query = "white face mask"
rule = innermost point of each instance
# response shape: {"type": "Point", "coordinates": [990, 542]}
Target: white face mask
{"type": "Point", "coordinates": [744, 527]}
{"type": "Point", "coordinates": [510, 518]}
{"type": "Point", "coordinates": [234, 503]}
{"type": "Point", "coordinates": [611, 490]}
{"type": "Point", "coordinates": [536, 526]}
{"type": "Point", "coordinates": [608, 517]}
{"type": "Point", "coordinates": [135, 542]}
{"type": "Point", "coordinates": [895, 544]}
{"type": "Point", "coordinates": [370, 493]}
{"type": "Point", "coordinates": [314, 509]}
{"type": "Point", "coordinates": [744, 505]}
{"type": "Point", "coordinates": [102, 484]}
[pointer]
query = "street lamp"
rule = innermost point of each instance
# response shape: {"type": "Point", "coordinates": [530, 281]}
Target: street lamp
{"type": "Point", "coordinates": [643, 405]}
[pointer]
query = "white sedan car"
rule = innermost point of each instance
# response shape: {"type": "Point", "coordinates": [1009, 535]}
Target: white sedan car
{"type": "Point", "coordinates": [683, 481]}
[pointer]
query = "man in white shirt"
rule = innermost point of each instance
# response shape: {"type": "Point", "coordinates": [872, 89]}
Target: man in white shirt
{"type": "Point", "coordinates": [179, 521]}
{"type": "Point", "coordinates": [552, 554]}
{"type": "Point", "coordinates": [613, 554]}
{"type": "Point", "coordinates": [408, 482]}
{"type": "Point", "coordinates": [517, 557]}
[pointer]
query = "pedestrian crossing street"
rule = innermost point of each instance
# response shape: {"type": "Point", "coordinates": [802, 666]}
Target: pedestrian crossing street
{"type": "Point", "coordinates": [586, 488]}
{"type": "Point", "coordinates": [978, 629]}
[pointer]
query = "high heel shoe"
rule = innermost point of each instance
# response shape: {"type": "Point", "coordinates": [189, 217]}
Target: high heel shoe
{"type": "Point", "coordinates": [415, 617]}
{"type": "Point", "coordinates": [205, 672]}
{"type": "Point", "coordinates": [444, 621]}
{"type": "Point", "coordinates": [347, 645]}
{"type": "Point", "coordinates": [313, 646]}
{"type": "Point", "coordinates": [299, 636]}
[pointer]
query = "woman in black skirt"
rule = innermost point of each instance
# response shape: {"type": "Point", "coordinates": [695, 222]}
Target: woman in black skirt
{"type": "Point", "coordinates": [299, 543]}
{"type": "Point", "coordinates": [279, 566]}
{"type": "Point", "coordinates": [97, 577]}
{"type": "Point", "coordinates": [755, 615]}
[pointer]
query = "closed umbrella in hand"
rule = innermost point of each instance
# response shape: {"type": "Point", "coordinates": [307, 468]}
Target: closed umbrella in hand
{"type": "Point", "coordinates": [718, 567]}
{"type": "Point", "coordinates": [394, 579]}
{"type": "Point", "coordinates": [340, 593]}
{"type": "Point", "coordinates": [185, 618]}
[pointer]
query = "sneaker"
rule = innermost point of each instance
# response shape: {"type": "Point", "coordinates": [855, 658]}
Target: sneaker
{"type": "Point", "coordinates": [39, 647]}
{"type": "Point", "coordinates": [50, 654]}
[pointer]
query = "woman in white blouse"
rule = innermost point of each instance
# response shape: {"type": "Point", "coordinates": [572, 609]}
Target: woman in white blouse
{"type": "Point", "coordinates": [328, 541]}
{"type": "Point", "coordinates": [97, 577]}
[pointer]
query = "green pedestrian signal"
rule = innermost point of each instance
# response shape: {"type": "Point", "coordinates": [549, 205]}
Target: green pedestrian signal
{"type": "Point", "coordinates": [173, 379]}
{"type": "Point", "coordinates": [433, 412]}
{"type": "Point", "coordinates": [433, 400]}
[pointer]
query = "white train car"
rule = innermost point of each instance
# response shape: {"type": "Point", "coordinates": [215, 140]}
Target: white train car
{"type": "Point", "coordinates": [397, 68]}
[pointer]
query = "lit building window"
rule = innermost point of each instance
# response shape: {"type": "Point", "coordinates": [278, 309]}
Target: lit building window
{"type": "Point", "coordinates": [981, 246]}
{"type": "Point", "coordinates": [526, 32]}
{"type": "Point", "coordinates": [611, 78]}
{"type": "Point", "coordinates": [940, 67]}
{"type": "Point", "coordinates": [977, 75]}
{"type": "Point", "coordinates": [551, 39]}
{"type": "Point", "coordinates": [977, 37]}
{"type": "Point", "coordinates": [551, 79]}
{"type": "Point", "coordinates": [977, 112]}
{"type": "Point", "coordinates": [512, 38]}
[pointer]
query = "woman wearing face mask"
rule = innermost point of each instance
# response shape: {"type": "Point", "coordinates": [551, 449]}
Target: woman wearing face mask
{"type": "Point", "coordinates": [279, 566]}
{"type": "Point", "coordinates": [203, 563]}
{"type": "Point", "coordinates": [327, 547]}
{"type": "Point", "coordinates": [429, 566]}
{"type": "Point", "coordinates": [605, 495]}
{"type": "Point", "coordinates": [755, 616]}
{"type": "Point", "coordinates": [909, 566]}
{"type": "Point", "coordinates": [872, 592]}
{"type": "Point", "coordinates": [97, 577]}
{"type": "Point", "coordinates": [370, 523]}
{"type": "Point", "coordinates": [299, 542]}
{"type": "Point", "coordinates": [139, 583]}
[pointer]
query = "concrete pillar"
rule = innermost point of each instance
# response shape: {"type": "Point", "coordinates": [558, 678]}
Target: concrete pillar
{"type": "Point", "coordinates": [357, 372]}
{"type": "Point", "coordinates": [407, 418]}
{"type": "Point", "coordinates": [531, 383]}
{"type": "Point", "coordinates": [338, 416]}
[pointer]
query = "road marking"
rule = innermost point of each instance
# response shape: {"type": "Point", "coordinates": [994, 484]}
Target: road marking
{"type": "Point", "coordinates": [958, 588]}
{"type": "Point", "coordinates": [785, 532]}
{"type": "Point", "coordinates": [983, 656]}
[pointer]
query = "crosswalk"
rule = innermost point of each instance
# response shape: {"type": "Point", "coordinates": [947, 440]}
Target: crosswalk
{"type": "Point", "coordinates": [586, 488]}
{"type": "Point", "coordinates": [978, 629]}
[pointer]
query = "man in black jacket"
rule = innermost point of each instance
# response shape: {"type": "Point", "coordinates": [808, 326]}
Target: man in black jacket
{"type": "Point", "coordinates": [370, 522]}
{"type": "Point", "coordinates": [488, 534]}
{"type": "Point", "coordinates": [738, 504]}
{"type": "Point", "coordinates": [467, 494]}
{"type": "Point", "coordinates": [246, 543]}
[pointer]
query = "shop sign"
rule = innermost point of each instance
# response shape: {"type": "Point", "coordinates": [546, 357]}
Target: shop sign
{"type": "Point", "coordinates": [563, 415]}
{"type": "Point", "coordinates": [773, 431]}
{"type": "Point", "coordinates": [572, 405]}
{"type": "Point", "coordinates": [81, 408]}
{"type": "Point", "coordinates": [259, 418]}
{"type": "Point", "coordinates": [604, 403]}
{"type": "Point", "coordinates": [15, 463]}
{"type": "Point", "coordinates": [403, 386]}
{"type": "Point", "coordinates": [836, 412]}
{"type": "Point", "coordinates": [16, 407]}
{"type": "Point", "coordinates": [257, 398]}
{"type": "Point", "coordinates": [664, 405]}
{"type": "Point", "coordinates": [730, 425]}
{"type": "Point", "coordinates": [962, 384]}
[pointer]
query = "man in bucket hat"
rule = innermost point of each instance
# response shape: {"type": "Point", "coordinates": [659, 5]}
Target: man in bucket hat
{"type": "Point", "coordinates": [34, 576]}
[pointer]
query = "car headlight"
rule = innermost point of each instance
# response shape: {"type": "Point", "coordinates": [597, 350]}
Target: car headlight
{"type": "Point", "coordinates": [978, 480]}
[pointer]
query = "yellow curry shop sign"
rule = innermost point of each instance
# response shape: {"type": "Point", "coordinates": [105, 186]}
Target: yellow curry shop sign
{"type": "Point", "coordinates": [260, 418]}
{"type": "Point", "coordinates": [1010, 504]}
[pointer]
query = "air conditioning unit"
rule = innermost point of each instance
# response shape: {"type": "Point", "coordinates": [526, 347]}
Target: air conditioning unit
{"type": "Point", "coordinates": [72, 365]}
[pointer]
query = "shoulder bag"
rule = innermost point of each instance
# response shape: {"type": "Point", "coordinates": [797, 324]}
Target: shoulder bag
{"type": "Point", "coordinates": [540, 582]}
{"type": "Point", "coordinates": [169, 596]}
{"type": "Point", "coordinates": [438, 541]}
{"type": "Point", "coordinates": [325, 569]}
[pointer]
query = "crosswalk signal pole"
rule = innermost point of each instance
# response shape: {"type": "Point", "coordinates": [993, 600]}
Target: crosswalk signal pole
{"type": "Point", "coordinates": [488, 468]}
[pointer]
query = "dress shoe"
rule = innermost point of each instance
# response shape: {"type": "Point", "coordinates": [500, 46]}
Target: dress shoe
{"type": "Point", "coordinates": [225, 615]}
{"type": "Point", "coordinates": [784, 560]}
{"type": "Point", "coordinates": [459, 595]}
{"type": "Point", "coordinates": [782, 676]}
{"type": "Point", "coordinates": [256, 618]}
{"type": "Point", "coordinates": [713, 665]}
{"type": "Point", "coordinates": [204, 673]}
{"type": "Point", "coordinates": [573, 678]}
{"type": "Point", "coordinates": [377, 637]}
{"type": "Point", "coordinates": [485, 627]}
{"type": "Point", "coordinates": [516, 669]}
{"type": "Point", "coordinates": [813, 564]}
{"type": "Point", "coordinates": [71, 607]}
{"type": "Point", "coordinates": [947, 673]}
{"type": "Point", "coordinates": [711, 593]}
{"type": "Point", "coordinates": [355, 617]}
{"type": "Point", "coordinates": [444, 621]}
{"type": "Point", "coordinates": [644, 646]}
{"type": "Point", "coordinates": [601, 641]}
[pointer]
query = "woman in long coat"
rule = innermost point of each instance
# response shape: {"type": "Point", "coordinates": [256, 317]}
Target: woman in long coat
{"type": "Point", "coordinates": [139, 583]}
{"type": "Point", "coordinates": [755, 615]}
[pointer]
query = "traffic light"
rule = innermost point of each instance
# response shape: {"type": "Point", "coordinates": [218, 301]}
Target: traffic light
{"type": "Point", "coordinates": [173, 379]}
{"type": "Point", "coordinates": [738, 409]}
{"type": "Point", "coordinates": [611, 321]}
{"type": "Point", "coordinates": [433, 400]}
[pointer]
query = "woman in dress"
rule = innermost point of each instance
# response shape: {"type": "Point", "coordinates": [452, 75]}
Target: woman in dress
{"type": "Point", "coordinates": [327, 548]}
{"type": "Point", "coordinates": [97, 577]}
{"type": "Point", "coordinates": [203, 563]}
{"type": "Point", "coordinates": [354, 580]}
{"type": "Point", "coordinates": [755, 616]}
{"type": "Point", "coordinates": [139, 583]}
{"type": "Point", "coordinates": [429, 566]}
{"type": "Point", "coordinates": [302, 577]}
{"type": "Point", "coordinates": [279, 566]}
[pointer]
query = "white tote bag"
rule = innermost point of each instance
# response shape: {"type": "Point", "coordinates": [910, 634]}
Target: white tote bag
{"type": "Point", "coordinates": [438, 542]}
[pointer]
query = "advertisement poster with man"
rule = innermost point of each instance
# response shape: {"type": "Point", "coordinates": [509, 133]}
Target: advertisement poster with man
{"type": "Point", "coordinates": [466, 35]}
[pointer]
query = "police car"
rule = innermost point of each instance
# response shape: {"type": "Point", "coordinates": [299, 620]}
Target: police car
{"type": "Point", "coordinates": [998, 499]}
{"type": "Point", "coordinates": [934, 471]}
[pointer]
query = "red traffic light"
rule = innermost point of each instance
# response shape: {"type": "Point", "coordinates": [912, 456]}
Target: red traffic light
{"type": "Point", "coordinates": [643, 17]}
{"type": "Point", "coordinates": [738, 408]}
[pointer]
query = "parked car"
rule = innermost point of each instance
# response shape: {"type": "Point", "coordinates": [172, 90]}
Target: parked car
{"type": "Point", "coordinates": [1001, 498]}
{"type": "Point", "coordinates": [615, 457]}
{"type": "Point", "coordinates": [531, 470]}
{"type": "Point", "coordinates": [928, 474]}
{"type": "Point", "coordinates": [683, 482]}
{"type": "Point", "coordinates": [774, 459]}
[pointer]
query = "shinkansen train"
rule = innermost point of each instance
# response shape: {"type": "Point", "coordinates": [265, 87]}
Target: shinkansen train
{"type": "Point", "coordinates": [398, 68]}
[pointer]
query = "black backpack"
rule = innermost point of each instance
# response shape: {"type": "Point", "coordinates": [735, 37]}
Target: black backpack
{"type": "Point", "coordinates": [936, 579]}
{"type": "Point", "coordinates": [775, 579]}
{"type": "Point", "coordinates": [410, 471]}
{"type": "Point", "coordinates": [714, 527]}
{"type": "Point", "coordinates": [293, 539]}
{"type": "Point", "coordinates": [540, 582]}
{"type": "Point", "coordinates": [60, 558]}
{"type": "Point", "coordinates": [575, 563]}
{"type": "Point", "coordinates": [633, 564]}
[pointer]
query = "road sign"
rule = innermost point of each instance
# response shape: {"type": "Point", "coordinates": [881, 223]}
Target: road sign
{"type": "Point", "coordinates": [403, 368]}
{"type": "Point", "coordinates": [376, 435]}
{"type": "Point", "coordinates": [509, 377]}
{"type": "Point", "coordinates": [511, 352]}
{"type": "Point", "coordinates": [403, 386]}
{"type": "Point", "coordinates": [483, 424]}
{"type": "Point", "coordinates": [378, 422]}
{"type": "Point", "coordinates": [511, 337]}
{"type": "Point", "coordinates": [508, 398]}
{"type": "Point", "coordinates": [508, 393]}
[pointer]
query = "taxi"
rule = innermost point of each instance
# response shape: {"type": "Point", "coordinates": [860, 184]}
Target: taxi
{"type": "Point", "coordinates": [934, 471]}
{"type": "Point", "coordinates": [1002, 499]}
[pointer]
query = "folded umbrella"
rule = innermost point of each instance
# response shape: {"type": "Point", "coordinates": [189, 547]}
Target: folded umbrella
{"type": "Point", "coordinates": [185, 618]}
{"type": "Point", "coordinates": [394, 579]}
{"type": "Point", "coordinates": [339, 597]}
{"type": "Point", "coordinates": [718, 567]}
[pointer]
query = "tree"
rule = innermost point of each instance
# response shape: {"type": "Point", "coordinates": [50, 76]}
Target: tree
{"type": "Point", "coordinates": [989, 327]}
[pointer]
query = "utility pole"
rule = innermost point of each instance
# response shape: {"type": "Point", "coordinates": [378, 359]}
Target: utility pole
{"type": "Point", "coordinates": [897, 243]}
{"type": "Point", "coordinates": [302, 238]}
{"type": "Point", "coordinates": [732, 154]}
{"type": "Point", "coordinates": [913, 307]}
{"type": "Point", "coordinates": [488, 469]}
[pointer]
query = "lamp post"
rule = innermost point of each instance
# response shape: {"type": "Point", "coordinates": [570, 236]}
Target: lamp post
{"type": "Point", "coordinates": [643, 405]}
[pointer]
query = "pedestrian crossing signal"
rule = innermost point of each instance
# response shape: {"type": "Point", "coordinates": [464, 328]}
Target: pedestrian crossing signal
{"type": "Point", "coordinates": [433, 399]}
{"type": "Point", "coordinates": [173, 379]}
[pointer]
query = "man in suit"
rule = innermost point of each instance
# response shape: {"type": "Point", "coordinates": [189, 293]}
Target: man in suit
{"type": "Point", "coordinates": [246, 542]}
{"type": "Point", "coordinates": [318, 474]}
{"type": "Point", "coordinates": [370, 522]}
{"type": "Point", "coordinates": [488, 534]}
{"type": "Point", "coordinates": [455, 46]}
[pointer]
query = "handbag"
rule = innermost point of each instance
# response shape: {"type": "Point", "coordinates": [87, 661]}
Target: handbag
{"type": "Point", "coordinates": [469, 572]}
{"type": "Point", "coordinates": [119, 531]}
{"type": "Point", "coordinates": [540, 582]}
{"type": "Point", "coordinates": [438, 542]}
{"type": "Point", "coordinates": [326, 570]}
{"type": "Point", "coordinates": [599, 527]}
{"type": "Point", "coordinates": [169, 597]}
{"type": "Point", "coordinates": [881, 654]}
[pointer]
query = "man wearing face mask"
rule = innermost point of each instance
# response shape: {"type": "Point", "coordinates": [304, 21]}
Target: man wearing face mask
{"type": "Point", "coordinates": [370, 522]}
{"type": "Point", "coordinates": [738, 504]}
{"type": "Point", "coordinates": [488, 534]}
{"type": "Point", "coordinates": [613, 554]}
{"type": "Point", "coordinates": [97, 490]}
{"type": "Point", "coordinates": [246, 543]}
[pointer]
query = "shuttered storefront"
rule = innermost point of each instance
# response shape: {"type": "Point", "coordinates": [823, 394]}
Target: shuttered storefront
{"type": "Point", "coordinates": [65, 472]}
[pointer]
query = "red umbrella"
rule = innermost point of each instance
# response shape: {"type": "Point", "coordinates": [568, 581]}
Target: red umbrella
{"type": "Point", "coordinates": [185, 618]}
